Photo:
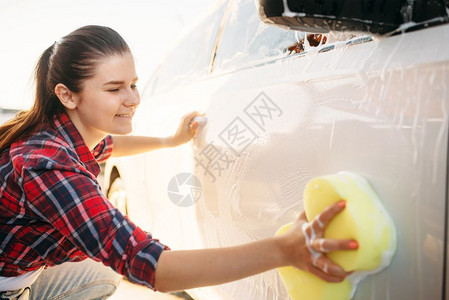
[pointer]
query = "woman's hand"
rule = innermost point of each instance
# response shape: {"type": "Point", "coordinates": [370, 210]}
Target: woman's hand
{"type": "Point", "coordinates": [187, 129]}
{"type": "Point", "coordinates": [307, 248]}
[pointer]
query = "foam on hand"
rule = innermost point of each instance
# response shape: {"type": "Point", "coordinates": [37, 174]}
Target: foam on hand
{"type": "Point", "coordinates": [200, 120]}
{"type": "Point", "coordinates": [199, 141]}
{"type": "Point", "coordinates": [364, 219]}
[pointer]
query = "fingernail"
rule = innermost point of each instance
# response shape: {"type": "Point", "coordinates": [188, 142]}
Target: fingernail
{"type": "Point", "coordinates": [342, 204]}
{"type": "Point", "coordinates": [353, 245]}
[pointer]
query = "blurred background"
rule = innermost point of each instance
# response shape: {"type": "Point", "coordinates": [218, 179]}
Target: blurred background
{"type": "Point", "coordinates": [28, 27]}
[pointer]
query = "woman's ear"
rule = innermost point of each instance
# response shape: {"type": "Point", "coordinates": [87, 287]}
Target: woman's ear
{"type": "Point", "coordinates": [66, 96]}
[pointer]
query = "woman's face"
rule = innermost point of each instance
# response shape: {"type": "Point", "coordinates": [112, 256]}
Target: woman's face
{"type": "Point", "coordinates": [108, 100]}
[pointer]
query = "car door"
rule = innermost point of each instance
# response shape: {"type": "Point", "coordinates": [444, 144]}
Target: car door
{"type": "Point", "coordinates": [374, 106]}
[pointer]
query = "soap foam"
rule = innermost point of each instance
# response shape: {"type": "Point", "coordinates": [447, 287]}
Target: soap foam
{"type": "Point", "coordinates": [315, 254]}
{"type": "Point", "coordinates": [356, 277]}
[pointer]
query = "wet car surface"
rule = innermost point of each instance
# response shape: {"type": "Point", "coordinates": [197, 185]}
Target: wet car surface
{"type": "Point", "coordinates": [279, 115]}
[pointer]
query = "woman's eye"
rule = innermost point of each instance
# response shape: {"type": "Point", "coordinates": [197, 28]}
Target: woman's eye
{"type": "Point", "coordinates": [113, 90]}
{"type": "Point", "coordinates": [133, 86]}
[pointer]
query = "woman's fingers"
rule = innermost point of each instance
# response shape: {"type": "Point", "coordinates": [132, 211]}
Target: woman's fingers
{"type": "Point", "coordinates": [319, 225]}
{"type": "Point", "coordinates": [317, 246]}
{"type": "Point", "coordinates": [189, 117]}
{"type": "Point", "coordinates": [191, 120]}
{"type": "Point", "coordinates": [325, 276]}
{"type": "Point", "coordinates": [193, 126]}
{"type": "Point", "coordinates": [327, 266]}
{"type": "Point", "coordinates": [320, 222]}
{"type": "Point", "coordinates": [324, 218]}
{"type": "Point", "coordinates": [328, 245]}
{"type": "Point", "coordinates": [302, 217]}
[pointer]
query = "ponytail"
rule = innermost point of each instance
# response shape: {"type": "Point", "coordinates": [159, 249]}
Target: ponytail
{"type": "Point", "coordinates": [27, 122]}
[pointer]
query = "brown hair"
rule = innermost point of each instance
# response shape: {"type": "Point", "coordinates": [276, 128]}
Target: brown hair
{"type": "Point", "coordinates": [69, 61]}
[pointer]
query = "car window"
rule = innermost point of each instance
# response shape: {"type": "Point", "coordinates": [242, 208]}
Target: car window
{"type": "Point", "coordinates": [246, 40]}
{"type": "Point", "coordinates": [190, 59]}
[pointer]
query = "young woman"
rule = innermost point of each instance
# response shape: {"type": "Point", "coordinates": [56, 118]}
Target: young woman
{"type": "Point", "coordinates": [53, 215]}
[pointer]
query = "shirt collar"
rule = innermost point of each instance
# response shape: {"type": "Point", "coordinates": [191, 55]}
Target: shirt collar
{"type": "Point", "coordinates": [69, 132]}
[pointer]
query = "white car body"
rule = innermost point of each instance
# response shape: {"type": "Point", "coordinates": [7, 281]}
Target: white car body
{"type": "Point", "coordinates": [376, 107]}
{"type": "Point", "coordinates": [7, 114]}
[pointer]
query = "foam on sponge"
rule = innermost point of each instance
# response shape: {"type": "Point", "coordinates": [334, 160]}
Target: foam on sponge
{"type": "Point", "coordinates": [364, 219]}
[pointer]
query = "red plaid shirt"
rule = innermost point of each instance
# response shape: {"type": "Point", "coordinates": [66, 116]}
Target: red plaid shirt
{"type": "Point", "coordinates": [52, 209]}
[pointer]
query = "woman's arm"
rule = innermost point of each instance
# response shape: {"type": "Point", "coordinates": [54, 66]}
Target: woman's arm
{"type": "Point", "coordinates": [130, 145]}
{"type": "Point", "coordinates": [299, 247]}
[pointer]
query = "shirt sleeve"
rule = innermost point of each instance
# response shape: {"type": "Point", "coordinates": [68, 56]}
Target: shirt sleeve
{"type": "Point", "coordinates": [103, 150]}
{"type": "Point", "coordinates": [73, 203]}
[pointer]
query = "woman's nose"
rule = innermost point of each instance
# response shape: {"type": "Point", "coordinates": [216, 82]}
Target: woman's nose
{"type": "Point", "coordinates": [132, 98]}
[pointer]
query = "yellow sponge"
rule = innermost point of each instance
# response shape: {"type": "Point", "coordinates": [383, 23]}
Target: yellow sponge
{"type": "Point", "coordinates": [364, 219]}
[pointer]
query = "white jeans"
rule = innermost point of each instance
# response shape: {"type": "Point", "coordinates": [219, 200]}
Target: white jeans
{"type": "Point", "coordinates": [86, 280]}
